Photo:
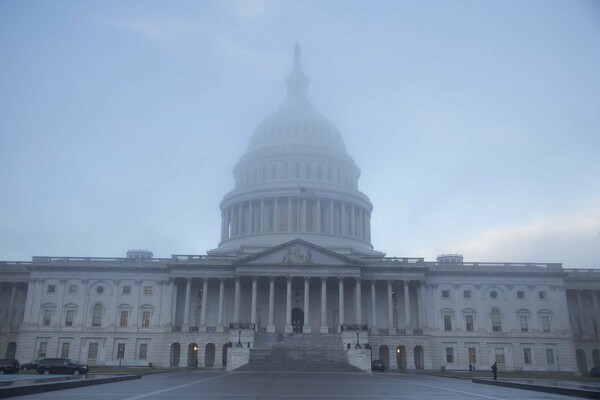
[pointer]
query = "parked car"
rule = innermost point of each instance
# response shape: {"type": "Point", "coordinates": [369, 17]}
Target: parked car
{"type": "Point", "coordinates": [30, 365]}
{"type": "Point", "coordinates": [378, 365]}
{"type": "Point", "coordinates": [9, 366]}
{"type": "Point", "coordinates": [61, 366]}
{"type": "Point", "coordinates": [595, 372]}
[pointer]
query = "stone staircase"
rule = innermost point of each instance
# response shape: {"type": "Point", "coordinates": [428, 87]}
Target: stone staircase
{"type": "Point", "coordinates": [298, 352]}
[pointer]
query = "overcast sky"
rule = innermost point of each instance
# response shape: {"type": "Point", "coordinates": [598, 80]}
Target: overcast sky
{"type": "Point", "coordinates": [476, 124]}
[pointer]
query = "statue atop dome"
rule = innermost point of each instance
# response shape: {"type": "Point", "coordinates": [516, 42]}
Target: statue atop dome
{"type": "Point", "coordinates": [297, 82]}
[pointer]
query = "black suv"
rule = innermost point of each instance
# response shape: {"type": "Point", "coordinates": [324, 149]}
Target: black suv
{"type": "Point", "coordinates": [61, 366]}
{"type": "Point", "coordinates": [378, 365]}
{"type": "Point", "coordinates": [9, 366]}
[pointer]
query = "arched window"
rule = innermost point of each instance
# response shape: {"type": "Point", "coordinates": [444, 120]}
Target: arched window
{"type": "Point", "coordinates": [97, 315]}
{"type": "Point", "coordinates": [496, 320]}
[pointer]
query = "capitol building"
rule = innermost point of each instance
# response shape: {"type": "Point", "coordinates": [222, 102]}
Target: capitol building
{"type": "Point", "coordinates": [296, 278]}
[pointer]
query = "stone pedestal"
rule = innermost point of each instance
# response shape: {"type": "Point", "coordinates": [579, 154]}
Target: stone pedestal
{"type": "Point", "coordinates": [202, 329]}
{"type": "Point", "coordinates": [220, 329]}
{"type": "Point", "coordinates": [374, 330]}
{"type": "Point", "coordinates": [391, 331]}
{"type": "Point", "coordinates": [324, 329]}
{"type": "Point", "coordinates": [408, 331]}
{"type": "Point", "coordinates": [271, 328]}
{"type": "Point", "coordinates": [289, 329]}
{"type": "Point", "coordinates": [306, 329]}
{"type": "Point", "coordinates": [360, 358]}
{"type": "Point", "coordinates": [236, 357]}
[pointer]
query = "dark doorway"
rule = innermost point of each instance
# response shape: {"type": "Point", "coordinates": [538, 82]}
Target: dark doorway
{"type": "Point", "coordinates": [419, 357]}
{"type": "Point", "coordinates": [224, 354]}
{"type": "Point", "coordinates": [401, 357]}
{"type": "Point", "coordinates": [209, 355]}
{"type": "Point", "coordinates": [11, 350]}
{"type": "Point", "coordinates": [384, 355]}
{"type": "Point", "coordinates": [581, 361]}
{"type": "Point", "coordinates": [297, 320]}
{"type": "Point", "coordinates": [192, 355]}
{"type": "Point", "coordinates": [175, 353]}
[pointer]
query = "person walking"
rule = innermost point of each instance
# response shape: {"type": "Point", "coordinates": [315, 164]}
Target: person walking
{"type": "Point", "coordinates": [495, 370]}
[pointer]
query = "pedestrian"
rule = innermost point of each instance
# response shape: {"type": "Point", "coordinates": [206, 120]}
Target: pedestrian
{"type": "Point", "coordinates": [196, 363]}
{"type": "Point", "coordinates": [470, 367]}
{"type": "Point", "coordinates": [495, 370]}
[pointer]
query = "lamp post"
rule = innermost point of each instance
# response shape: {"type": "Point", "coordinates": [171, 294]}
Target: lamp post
{"type": "Point", "coordinates": [357, 344]}
{"type": "Point", "coordinates": [239, 343]}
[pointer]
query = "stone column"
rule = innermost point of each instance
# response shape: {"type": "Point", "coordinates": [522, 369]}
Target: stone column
{"type": "Point", "coordinates": [343, 219]}
{"type": "Point", "coordinates": [341, 302]}
{"type": "Point", "coordinates": [11, 306]}
{"type": "Point", "coordinates": [221, 298]}
{"type": "Point", "coordinates": [318, 226]}
{"type": "Point", "coordinates": [222, 225]}
{"type": "Point", "coordinates": [228, 229]}
{"type": "Point", "coordinates": [202, 327]}
{"type": "Point", "coordinates": [368, 222]}
{"type": "Point", "coordinates": [580, 313]}
{"type": "Point", "coordinates": [253, 311]}
{"type": "Point", "coordinates": [423, 307]}
{"type": "Point", "coordinates": [271, 325]}
{"type": "Point", "coordinates": [250, 217]}
{"type": "Point", "coordinates": [276, 215]}
{"type": "Point", "coordinates": [331, 230]}
{"type": "Point", "coordinates": [361, 234]}
{"type": "Point", "coordinates": [289, 216]}
{"type": "Point", "coordinates": [391, 327]}
{"type": "Point", "coordinates": [353, 221]}
{"type": "Point", "coordinates": [407, 325]}
{"type": "Point", "coordinates": [374, 329]}
{"type": "Point", "coordinates": [288, 306]}
{"type": "Point", "coordinates": [324, 328]}
{"type": "Point", "coordinates": [306, 326]}
{"type": "Point", "coordinates": [236, 301]}
{"type": "Point", "coordinates": [596, 312]}
{"type": "Point", "coordinates": [173, 302]}
{"type": "Point", "coordinates": [28, 300]}
{"type": "Point", "coordinates": [358, 302]}
{"type": "Point", "coordinates": [186, 308]}
{"type": "Point", "coordinates": [240, 219]}
{"type": "Point", "coordinates": [262, 216]}
{"type": "Point", "coordinates": [303, 219]}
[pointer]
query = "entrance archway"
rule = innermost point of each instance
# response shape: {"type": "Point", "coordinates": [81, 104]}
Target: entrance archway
{"type": "Point", "coordinates": [401, 357]}
{"type": "Point", "coordinates": [224, 354]}
{"type": "Point", "coordinates": [297, 320]}
{"type": "Point", "coordinates": [209, 355]}
{"type": "Point", "coordinates": [419, 357]}
{"type": "Point", "coordinates": [175, 354]}
{"type": "Point", "coordinates": [581, 361]}
{"type": "Point", "coordinates": [11, 350]}
{"type": "Point", "coordinates": [192, 355]}
{"type": "Point", "coordinates": [384, 355]}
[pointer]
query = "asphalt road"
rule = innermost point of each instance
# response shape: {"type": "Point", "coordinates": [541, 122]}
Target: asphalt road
{"type": "Point", "coordinates": [202, 384]}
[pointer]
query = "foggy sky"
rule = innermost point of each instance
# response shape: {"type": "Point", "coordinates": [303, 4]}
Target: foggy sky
{"type": "Point", "coordinates": [476, 124]}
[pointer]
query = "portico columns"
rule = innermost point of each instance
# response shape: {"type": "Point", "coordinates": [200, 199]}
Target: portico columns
{"type": "Point", "coordinates": [324, 327]}
{"type": "Point", "coordinates": [236, 301]}
{"type": "Point", "coordinates": [306, 326]}
{"type": "Point", "coordinates": [253, 310]}
{"type": "Point", "coordinates": [276, 215]}
{"type": "Point", "coordinates": [271, 325]}
{"type": "Point", "coordinates": [318, 227]}
{"type": "Point", "coordinates": [391, 327]}
{"type": "Point", "coordinates": [186, 308]}
{"type": "Point", "coordinates": [262, 216]}
{"type": "Point", "coordinates": [202, 327]}
{"type": "Point", "coordinates": [240, 220]}
{"type": "Point", "coordinates": [374, 329]}
{"type": "Point", "coordinates": [580, 313]}
{"type": "Point", "coordinates": [331, 216]}
{"type": "Point", "coordinates": [341, 302]}
{"type": "Point", "coordinates": [288, 306]}
{"type": "Point", "coordinates": [173, 302]}
{"type": "Point", "coordinates": [596, 312]}
{"type": "Point", "coordinates": [343, 219]}
{"type": "Point", "coordinates": [221, 298]}
{"type": "Point", "coordinates": [289, 215]}
{"type": "Point", "coordinates": [358, 302]}
{"type": "Point", "coordinates": [11, 305]}
{"type": "Point", "coordinates": [407, 325]}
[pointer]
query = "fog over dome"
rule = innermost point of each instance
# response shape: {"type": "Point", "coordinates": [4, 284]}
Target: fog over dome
{"type": "Point", "coordinates": [296, 180]}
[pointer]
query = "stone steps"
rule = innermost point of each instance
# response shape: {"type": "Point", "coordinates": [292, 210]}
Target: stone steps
{"type": "Point", "coordinates": [257, 366]}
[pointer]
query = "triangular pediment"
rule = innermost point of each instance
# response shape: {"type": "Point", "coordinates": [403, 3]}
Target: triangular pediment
{"type": "Point", "coordinates": [297, 252]}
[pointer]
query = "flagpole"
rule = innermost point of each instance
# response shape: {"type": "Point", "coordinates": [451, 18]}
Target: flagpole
{"type": "Point", "coordinates": [298, 218]}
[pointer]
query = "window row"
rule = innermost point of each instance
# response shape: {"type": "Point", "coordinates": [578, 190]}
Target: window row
{"type": "Point", "coordinates": [495, 318]}
{"type": "Point", "coordinates": [493, 294]}
{"type": "Point", "coordinates": [97, 316]}
{"type": "Point", "coordinates": [92, 353]}
{"type": "Point", "coordinates": [500, 358]}
{"type": "Point", "coordinates": [99, 289]}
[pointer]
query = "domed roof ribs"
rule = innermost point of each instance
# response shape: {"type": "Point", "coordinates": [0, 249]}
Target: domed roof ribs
{"type": "Point", "coordinates": [297, 82]}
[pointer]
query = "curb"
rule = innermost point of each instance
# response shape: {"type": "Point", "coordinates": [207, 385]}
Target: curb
{"type": "Point", "coordinates": [586, 393]}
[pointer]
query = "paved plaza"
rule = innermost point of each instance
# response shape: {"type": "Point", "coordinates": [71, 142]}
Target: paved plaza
{"type": "Point", "coordinates": [202, 384]}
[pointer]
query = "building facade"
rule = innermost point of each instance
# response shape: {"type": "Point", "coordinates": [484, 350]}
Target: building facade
{"type": "Point", "coordinates": [295, 257]}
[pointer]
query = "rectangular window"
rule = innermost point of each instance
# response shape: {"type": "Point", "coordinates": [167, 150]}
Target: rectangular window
{"type": "Point", "coordinates": [42, 350]}
{"type": "Point", "coordinates": [296, 170]}
{"type": "Point", "coordinates": [499, 355]}
{"type": "Point", "coordinates": [143, 351]}
{"type": "Point", "coordinates": [549, 356]}
{"type": "Point", "coordinates": [524, 323]}
{"type": "Point", "coordinates": [121, 351]}
{"type": "Point", "coordinates": [526, 356]}
{"type": "Point", "coordinates": [449, 355]}
{"type": "Point", "coordinates": [546, 323]}
{"type": "Point", "coordinates": [472, 355]}
{"type": "Point", "coordinates": [47, 317]}
{"type": "Point", "coordinates": [469, 320]}
{"type": "Point", "coordinates": [72, 290]}
{"type": "Point", "coordinates": [147, 290]}
{"type": "Point", "coordinates": [146, 319]}
{"type": "Point", "coordinates": [520, 294]}
{"type": "Point", "coordinates": [445, 294]}
{"type": "Point", "coordinates": [69, 317]}
{"type": "Point", "coordinates": [64, 350]}
{"type": "Point", "coordinates": [467, 294]}
{"type": "Point", "coordinates": [93, 351]}
{"type": "Point", "coordinates": [447, 322]}
{"type": "Point", "coordinates": [542, 295]}
{"type": "Point", "coordinates": [51, 289]}
{"type": "Point", "coordinates": [124, 319]}
{"type": "Point", "coordinates": [126, 289]}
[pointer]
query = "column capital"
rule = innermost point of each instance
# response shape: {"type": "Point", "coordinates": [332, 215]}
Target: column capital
{"type": "Point", "coordinates": [373, 282]}
{"type": "Point", "coordinates": [306, 278]}
{"type": "Point", "coordinates": [288, 278]}
{"type": "Point", "coordinates": [324, 279]}
{"type": "Point", "coordinates": [405, 282]}
{"type": "Point", "coordinates": [254, 278]}
{"type": "Point", "coordinates": [188, 280]}
{"type": "Point", "coordinates": [358, 279]}
{"type": "Point", "coordinates": [272, 278]}
{"type": "Point", "coordinates": [341, 279]}
{"type": "Point", "coordinates": [222, 280]}
{"type": "Point", "coordinates": [390, 282]}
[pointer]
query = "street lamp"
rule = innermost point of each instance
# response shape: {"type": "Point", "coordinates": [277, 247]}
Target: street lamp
{"type": "Point", "coordinates": [357, 344]}
{"type": "Point", "coordinates": [239, 343]}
